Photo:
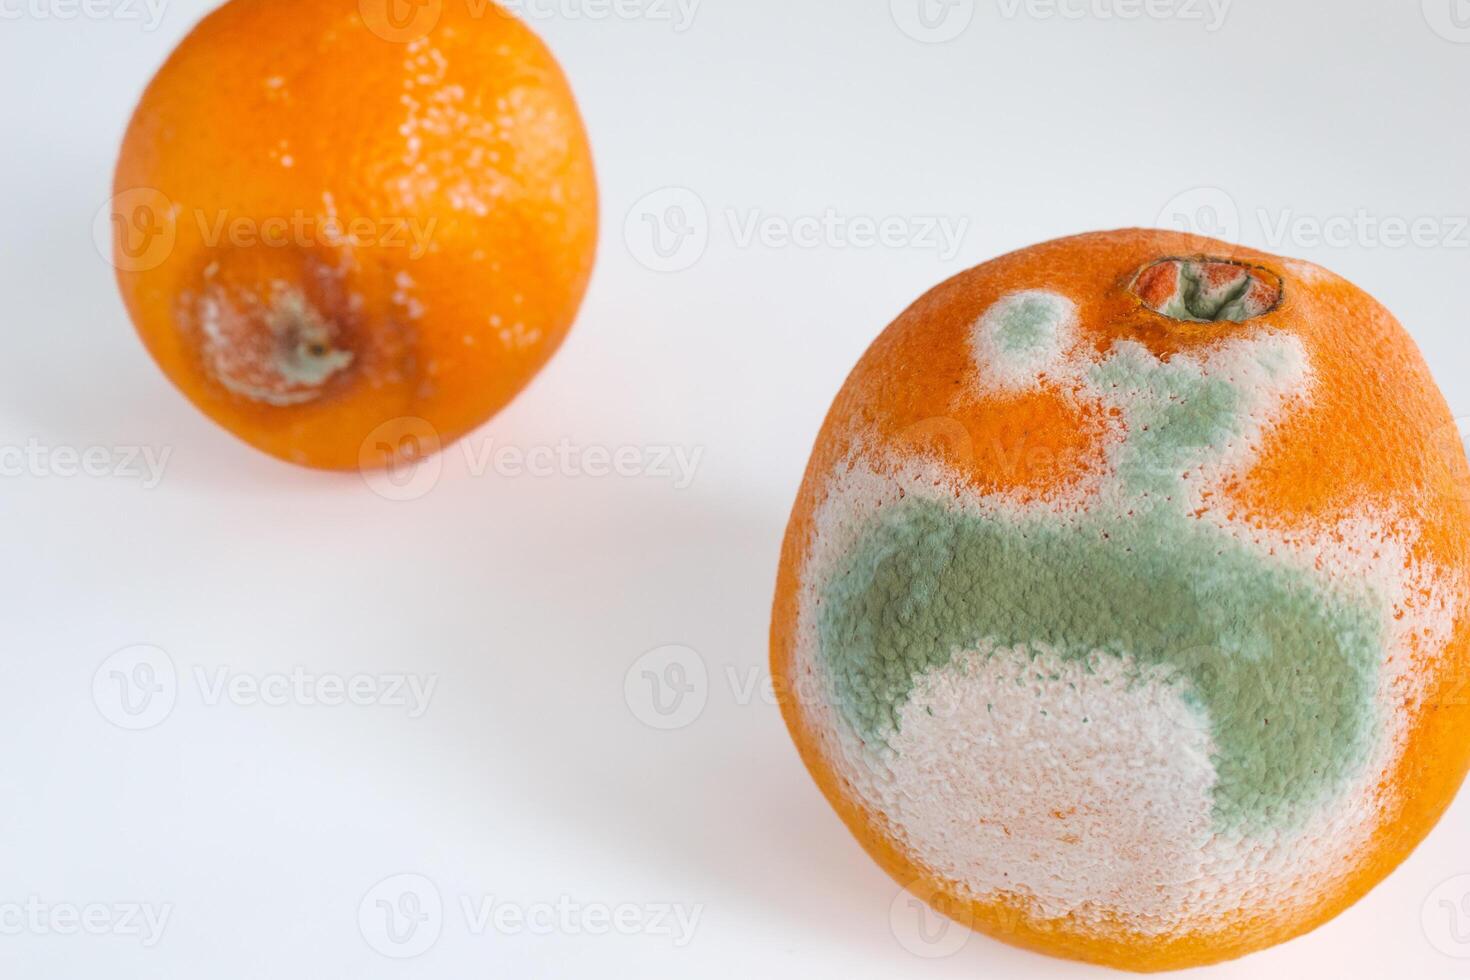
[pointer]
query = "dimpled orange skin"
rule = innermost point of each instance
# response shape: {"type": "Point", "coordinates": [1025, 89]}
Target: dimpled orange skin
{"type": "Point", "coordinates": [331, 224]}
{"type": "Point", "coordinates": [1373, 413]}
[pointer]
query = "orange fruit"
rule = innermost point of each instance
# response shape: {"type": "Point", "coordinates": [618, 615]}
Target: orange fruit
{"type": "Point", "coordinates": [1123, 610]}
{"type": "Point", "coordinates": [335, 220]}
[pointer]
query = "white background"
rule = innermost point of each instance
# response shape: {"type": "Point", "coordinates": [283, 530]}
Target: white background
{"type": "Point", "coordinates": [534, 776]}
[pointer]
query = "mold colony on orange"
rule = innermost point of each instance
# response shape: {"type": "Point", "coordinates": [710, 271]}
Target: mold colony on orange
{"type": "Point", "coordinates": [1122, 610]}
{"type": "Point", "coordinates": [327, 228]}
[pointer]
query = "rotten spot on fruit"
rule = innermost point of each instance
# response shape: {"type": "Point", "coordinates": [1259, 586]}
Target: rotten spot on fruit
{"type": "Point", "coordinates": [273, 327]}
{"type": "Point", "coordinates": [278, 350]}
{"type": "Point", "coordinates": [1207, 290]}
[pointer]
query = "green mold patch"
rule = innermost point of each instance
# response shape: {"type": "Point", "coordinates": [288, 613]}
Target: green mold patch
{"type": "Point", "coordinates": [1027, 325]}
{"type": "Point", "coordinates": [1022, 337]}
{"type": "Point", "coordinates": [1179, 414]}
{"type": "Point", "coordinates": [1280, 663]}
{"type": "Point", "coordinates": [1284, 671]}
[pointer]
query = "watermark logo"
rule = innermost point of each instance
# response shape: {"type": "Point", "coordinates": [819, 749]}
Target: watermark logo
{"type": "Point", "coordinates": [136, 229]}
{"type": "Point", "coordinates": [1211, 13]}
{"type": "Point", "coordinates": [148, 13]}
{"type": "Point", "coordinates": [145, 464]}
{"type": "Point", "coordinates": [1207, 211]}
{"type": "Point", "coordinates": [942, 234]}
{"type": "Point", "coordinates": [923, 931]}
{"type": "Point", "coordinates": [136, 688]}
{"type": "Point", "coordinates": [304, 229]}
{"type": "Point", "coordinates": [667, 688]}
{"type": "Point", "coordinates": [399, 460]}
{"type": "Point", "coordinates": [142, 921]}
{"type": "Point", "coordinates": [402, 916]}
{"type": "Point", "coordinates": [670, 687]}
{"type": "Point", "coordinates": [1450, 19]}
{"type": "Point", "coordinates": [1446, 917]}
{"type": "Point", "coordinates": [407, 21]}
{"type": "Point", "coordinates": [1014, 459]}
{"type": "Point", "coordinates": [940, 437]}
{"type": "Point", "coordinates": [675, 465]}
{"type": "Point", "coordinates": [932, 21]}
{"type": "Point", "coordinates": [566, 916]}
{"type": "Point", "coordinates": [678, 13]}
{"type": "Point", "coordinates": [302, 688]}
{"type": "Point", "coordinates": [1363, 229]}
{"type": "Point", "coordinates": [1214, 213]}
{"type": "Point", "coordinates": [668, 230]}
{"type": "Point", "coordinates": [400, 21]}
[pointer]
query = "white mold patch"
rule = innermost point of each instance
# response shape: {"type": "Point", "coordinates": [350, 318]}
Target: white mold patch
{"type": "Point", "coordinates": [1083, 786]}
{"type": "Point", "coordinates": [1023, 338]}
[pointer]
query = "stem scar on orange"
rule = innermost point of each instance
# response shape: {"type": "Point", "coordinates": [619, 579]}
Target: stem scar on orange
{"type": "Point", "coordinates": [331, 223]}
{"type": "Point", "coordinates": [1123, 613]}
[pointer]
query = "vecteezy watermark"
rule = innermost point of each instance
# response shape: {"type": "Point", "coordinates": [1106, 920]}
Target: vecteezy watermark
{"type": "Point", "coordinates": [147, 13]}
{"type": "Point", "coordinates": [34, 916]}
{"type": "Point", "coordinates": [1450, 19]}
{"type": "Point", "coordinates": [299, 687]}
{"type": "Point", "coordinates": [137, 229]}
{"type": "Point", "coordinates": [1211, 13]}
{"type": "Point", "coordinates": [938, 21]}
{"type": "Point", "coordinates": [1363, 229]}
{"type": "Point", "coordinates": [669, 230]}
{"type": "Point", "coordinates": [1213, 212]}
{"type": "Point", "coordinates": [137, 688]}
{"type": "Point", "coordinates": [679, 14]}
{"type": "Point", "coordinates": [301, 229]}
{"type": "Point", "coordinates": [401, 21]}
{"type": "Point", "coordinates": [923, 931]}
{"type": "Point", "coordinates": [407, 21]}
{"type": "Point", "coordinates": [1446, 917]}
{"type": "Point", "coordinates": [1208, 211]}
{"type": "Point", "coordinates": [404, 915]}
{"type": "Point", "coordinates": [932, 21]}
{"type": "Point", "coordinates": [944, 235]}
{"type": "Point", "coordinates": [675, 464]}
{"type": "Point", "coordinates": [400, 460]}
{"type": "Point", "coordinates": [1013, 459]}
{"type": "Point", "coordinates": [568, 916]}
{"type": "Point", "coordinates": [667, 688]}
{"type": "Point", "coordinates": [401, 916]}
{"type": "Point", "coordinates": [145, 464]}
